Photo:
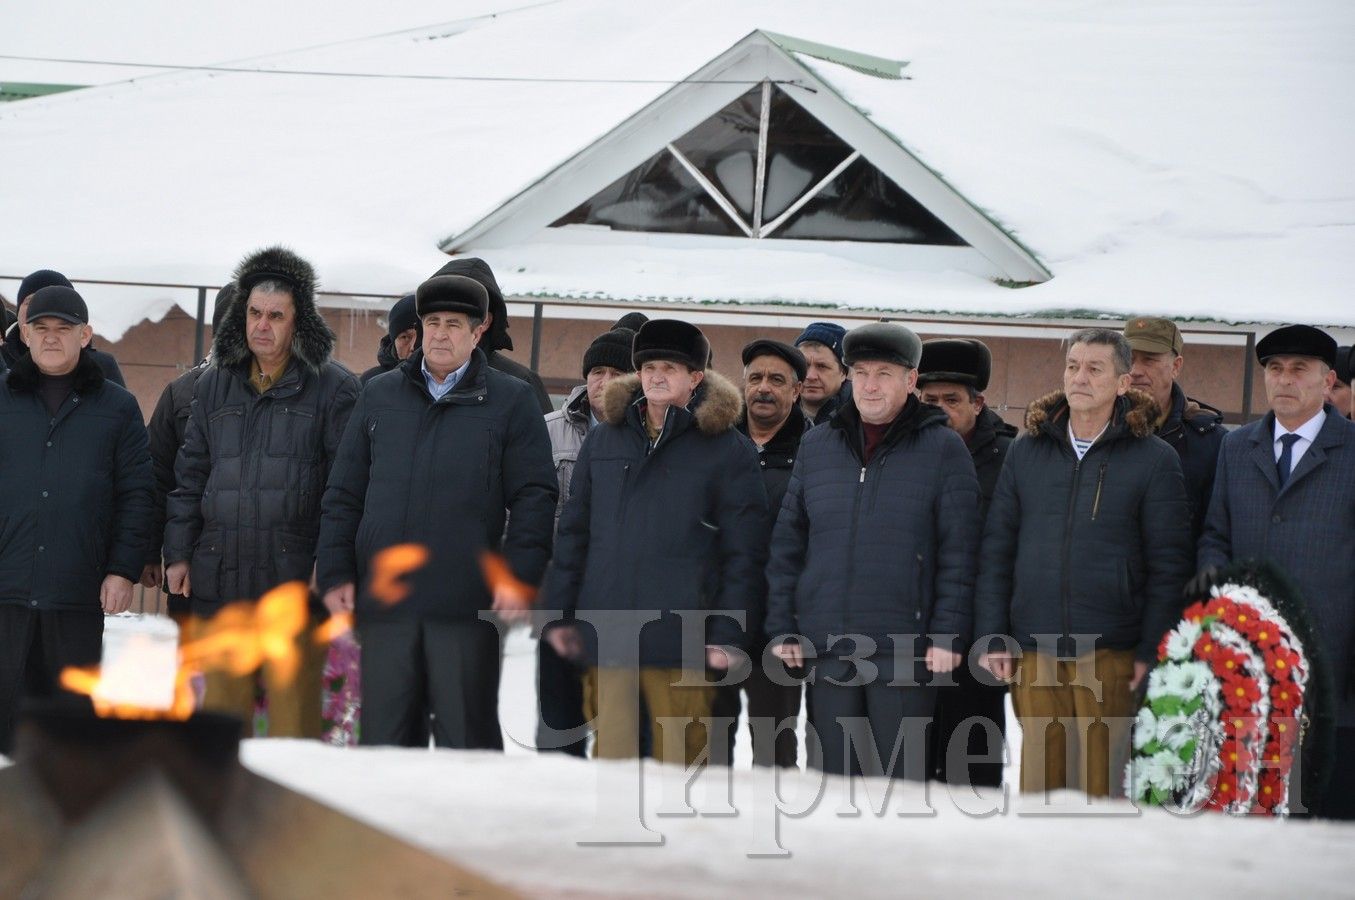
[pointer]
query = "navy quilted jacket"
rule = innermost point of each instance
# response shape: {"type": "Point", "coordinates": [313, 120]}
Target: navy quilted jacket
{"type": "Point", "coordinates": [882, 549]}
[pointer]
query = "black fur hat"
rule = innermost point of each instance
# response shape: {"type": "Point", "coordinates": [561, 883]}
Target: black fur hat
{"type": "Point", "coordinates": [671, 339]}
{"type": "Point", "coordinates": [496, 336]}
{"type": "Point", "coordinates": [452, 293]}
{"type": "Point", "coordinates": [277, 264]}
{"type": "Point", "coordinates": [956, 360]}
{"type": "Point", "coordinates": [882, 342]}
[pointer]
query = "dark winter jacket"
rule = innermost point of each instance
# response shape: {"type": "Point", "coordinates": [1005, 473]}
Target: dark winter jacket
{"type": "Point", "coordinates": [166, 430]}
{"type": "Point", "coordinates": [444, 474]}
{"type": "Point", "coordinates": [245, 508]}
{"type": "Point", "coordinates": [879, 549]}
{"type": "Point", "coordinates": [385, 359]}
{"type": "Point", "coordinates": [1196, 432]}
{"type": "Point", "coordinates": [1306, 529]}
{"type": "Point", "coordinates": [679, 526]}
{"type": "Point", "coordinates": [507, 366]}
{"type": "Point", "coordinates": [988, 448]}
{"type": "Point", "coordinates": [841, 399]}
{"type": "Point", "coordinates": [1099, 547]}
{"type": "Point", "coordinates": [567, 427]}
{"type": "Point", "coordinates": [14, 348]}
{"type": "Point", "coordinates": [75, 490]}
{"type": "Point", "coordinates": [777, 457]}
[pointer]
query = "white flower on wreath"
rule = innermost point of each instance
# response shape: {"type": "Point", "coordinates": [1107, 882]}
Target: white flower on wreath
{"type": "Point", "coordinates": [1145, 728]}
{"type": "Point", "coordinates": [1157, 682]}
{"type": "Point", "coordinates": [1174, 732]}
{"type": "Point", "coordinates": [1163, 770]}
{"type": "Point", "coordinates": [1188, 680]}
{"type": "Point", "coordinates": [1181, 641]}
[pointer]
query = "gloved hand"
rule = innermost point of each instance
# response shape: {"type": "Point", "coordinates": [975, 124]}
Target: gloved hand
{"type": "Point", "coordinates": [1200, 585]}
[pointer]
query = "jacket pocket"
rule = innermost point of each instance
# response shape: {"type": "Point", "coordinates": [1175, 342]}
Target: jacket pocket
{"type": "Point", "coordinates": [225, 430]}
{"type": "Point", "coordinates": [204, 571]}
{"type": "Point", "coordinates": [291, 432]}
{"type": "Point", "coordinates": [293, 557]}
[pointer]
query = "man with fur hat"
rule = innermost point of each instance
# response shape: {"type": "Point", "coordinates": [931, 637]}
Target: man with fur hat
{"type": "Point", "coordinates": [953, 376]}
{"type": "Point", "coordinates": [1285, 491]}
{"type": "Point", "coordinates": [264, 431]}
{"type": "Point", "coordinates": [442, 453]}
{"type": "Point", "coordinates": [886, 497]}
{"type": "Point", "coordinates": [559, 687]}
{"type": "Point", "coordinates": [1085, 550]}
{"type": "Point", "coordinates": [77, 486]}
{"type": "Point", "coordinates": [166, 430]}
{"type": "Point", "coordinates": [403, 335]}
{"type": "Point", "coordinates": [496, 337]}
{"type": "Point", "coordinates": [666, 522]}
{"type": "Point", "coordinates": [14, 346]}
{"type": "Point", "coordinates": [1194, 429]}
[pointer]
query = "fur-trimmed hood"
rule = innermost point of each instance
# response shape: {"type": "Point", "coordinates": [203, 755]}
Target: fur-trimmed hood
{"type": "Point", "coordinates": [717, 405]}
{"type": "Point", "coordinates": [1136, 411]}
{"type": "Point", "coordinates": [312, 341]}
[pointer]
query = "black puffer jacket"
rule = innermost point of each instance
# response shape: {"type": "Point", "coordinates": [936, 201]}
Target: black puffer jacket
{"type": "Point", "coordinates": [682, 526]}
{"type": "Point", "coordinates": [1098, 547]}
{"type": "Point", "coordinates": [1195, 431]}
{"type": "Point", "coordinates": [166, 430]}
{"type": "Point", "coordinates": [445, 474]}
{"type": "Point", "coordinates": [385, 359]}
{"type": "Point", "coordinates": [245, 509]}
{"type": "Point", "coordinates": [75, 490]}
{"type": "Point", "coordinates": [988, 448]}
{"type": "Point", "coordinates": [881, 549]}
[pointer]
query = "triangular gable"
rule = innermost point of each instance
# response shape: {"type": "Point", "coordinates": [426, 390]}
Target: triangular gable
{"type": "Point", "coordinates": [704, 159]}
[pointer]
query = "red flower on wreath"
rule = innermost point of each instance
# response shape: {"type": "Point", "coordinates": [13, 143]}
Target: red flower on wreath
{"type": "Point", "coordinates": [1234, 756]}
{"type": "Point", "coordinates": [1218, 607]}
{"type": "Point", "coordinates": [1266, 634]}
{"type": "Point", "coordinates": [1162, 647]}
{"type": "Point", "coordinates": [1241, 693]}
{"type": "Point", "coordinates": [1281, 661]}
{"type": "Point", "coordinates": [1226, 663]}
{"type": "Point", "coordinates": [1205, 648]}
{"type": "Point", "coordinates": [1194, 612]}
{"type": "Point", "coordinates": [1239, 726]}
{"type": "Point", "coordinates": [1240, 616]}
{"type": "Point", "coordinates": [1225, 788]}
{"type": "Point", "coordinates": [1284, 698]}
{"type": "Point", "coordinates": [1269, 790]}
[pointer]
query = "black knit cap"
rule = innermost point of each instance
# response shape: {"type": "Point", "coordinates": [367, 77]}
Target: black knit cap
{"type": "Point", "coordinates": [631, 320]}
{"type": "Point", "coordinates": [40, 279]}
{"type": "Point", "coordinates": [1298, 340]}
{"type": "Point", "coordinates": [955, 360]}
{"type": "Point", "coordinates": [768, 347]}
{"type": "Point", "coordinates": [671, 339]}
{"type": "Point", "coordinates": [452, 293]}
{"type": "Point", "coordinates": [882, 342]}
{"type": "Point", "coordinates": [611, 348]}
{"type": "Point", "coordinates": [58, 302]}
{"type": "Point", "coordinates": [403, 316]}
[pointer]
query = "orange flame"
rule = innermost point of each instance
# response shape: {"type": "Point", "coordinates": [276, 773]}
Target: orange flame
{"type": "Point", "coordinates": [500, 578]}
{"type": "Point", "coordinates": [86, 681]}
{"type": "Point", "coordinates": [335, 627]}
{"type": "Point", "coordinates": [391, 565]}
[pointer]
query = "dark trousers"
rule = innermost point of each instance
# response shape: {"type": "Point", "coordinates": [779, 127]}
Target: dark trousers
{"type": "Point", "coordinates": [766, 700]}
{"type": "Point", "coordinates": [413, 667]}
{"type": "Point", "coordinates": [954, 706]}
{"type": "Point", "coordinates": [867, 726]}
{"type": "Point", "coordinates": [559, 688]}
{"type": "Point", "coordinates": [35, 645]}
{"type": "Point", "coordinates": [1338, 800]}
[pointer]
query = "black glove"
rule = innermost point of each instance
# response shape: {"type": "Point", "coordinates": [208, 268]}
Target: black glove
{"type": "Point", "coordinates": [1200, 585]}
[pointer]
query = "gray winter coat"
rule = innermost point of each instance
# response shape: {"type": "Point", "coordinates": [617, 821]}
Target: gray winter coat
{"type": "Point", "coordinates": [568, 426]}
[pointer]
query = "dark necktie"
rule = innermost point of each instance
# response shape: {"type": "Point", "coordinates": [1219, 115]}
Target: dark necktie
{"type": "Point", "coordinates": [1286, 457]}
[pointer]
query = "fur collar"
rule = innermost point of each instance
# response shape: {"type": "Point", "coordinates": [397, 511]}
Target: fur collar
{"type": "Point", "coordinates": [1136, 410]}
{"type": "Point", "coordinates": [89, 376]}
{"type": "Point", "coordinates": [717, 405]}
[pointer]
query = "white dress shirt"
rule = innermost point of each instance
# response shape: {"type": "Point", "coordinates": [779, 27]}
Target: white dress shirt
{"type": "Point", "coordinates": [1307, 433]}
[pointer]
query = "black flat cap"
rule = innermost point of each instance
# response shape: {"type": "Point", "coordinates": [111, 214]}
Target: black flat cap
{"type": "Point", "coordinates": [769, 347]}
{"type": "Point", "coordinates": [1343, 362]}
{"type": "Point", "coordinates": [957, 361]}
{"type": "Point", "coordinates": [1298, 340]}
{"type": "Point", "coordinates": [58, 302]}
{"type": "Point", "coordinates": [882, 342]}
{"type": "Point", "coordinates": [671, 339]}
{"type": "Point", "coordinates": [452, 293]}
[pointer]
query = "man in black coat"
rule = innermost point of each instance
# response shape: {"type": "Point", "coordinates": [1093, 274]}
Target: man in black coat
{"type": "Point", "coordinates": [13, 346]}
{"type": "Point", "coordinates": [1085, 551]}
{"type": "Point", "coordinates": [439, 453]}
{"type": "Point", "coordinates": [403, 335]}
{"type": "Point", "coordinates": [826, 385]}
{"type": "Point", "coordinates": [872, 561]}
{"type": "Point", "coordinates": [1285, 492]}
{"type": "Point", "coordinates": [773, 374]}
{"type": "Point", "coordinates": [76, 483]}
{"type": "Point", "coordinates": [953, 376]}
{"type": "Point", "coordinates": [496, 337]}
{"type": "Point", "coordinates": [666, 519]}
{"type": "Point", "coordinates": [244, 513]}
{"type": "Point", "coordinates": [166, 430]}
{"type": "Point", "coordinates": [1193, 429]}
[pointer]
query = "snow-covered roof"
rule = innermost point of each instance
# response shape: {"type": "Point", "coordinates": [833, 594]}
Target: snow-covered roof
{"type": "Point", "coordinates": [1187, 158]}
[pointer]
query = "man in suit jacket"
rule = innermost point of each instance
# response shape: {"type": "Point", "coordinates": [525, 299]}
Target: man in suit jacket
{"type": "Point", "coordinates": [1285, 491]}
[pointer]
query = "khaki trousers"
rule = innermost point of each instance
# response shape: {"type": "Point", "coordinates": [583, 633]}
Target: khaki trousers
{"type": "Point", "coordinates": [1075, 718]}
{"type": "Point", "coordinates": [612, 701]}
{"type": "Point", "coordinates": [293, 707]}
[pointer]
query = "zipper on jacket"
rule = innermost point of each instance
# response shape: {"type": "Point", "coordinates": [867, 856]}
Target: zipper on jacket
{"type": "Point", "coordinates": [1100, 481]}
{"type": "Point", "coordinates": [1067, 551]}
{"type": "Point", "coordinates": [862, 479]}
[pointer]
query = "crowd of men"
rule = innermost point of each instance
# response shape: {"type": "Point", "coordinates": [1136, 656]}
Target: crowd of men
{"type": "Point", "coordinates": [852, 524]}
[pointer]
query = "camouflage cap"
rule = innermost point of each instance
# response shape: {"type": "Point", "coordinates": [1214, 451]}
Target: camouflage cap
{"type": "Point", "coordinates": [1153, 335]}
